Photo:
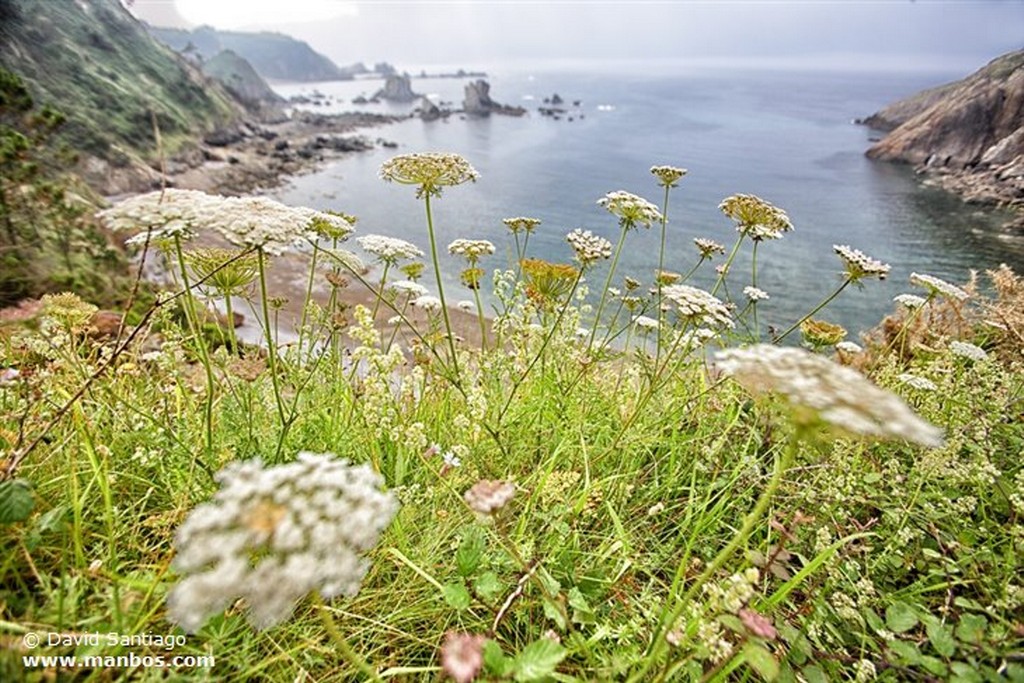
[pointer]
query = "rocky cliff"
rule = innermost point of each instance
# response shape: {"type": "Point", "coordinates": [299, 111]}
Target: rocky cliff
{"type": "Point", "coordinates": [478, 102]}
{"type": "Point", "coordinates": [93, 61]}
{"type": "Point", "coordinates": [966, 136]}
{"type": "Point", "coordinates": [241, 80]}
{"type": "Point", "coordinates": [273, 55]}
{"type": "Point", "coordinates": [397, 88]}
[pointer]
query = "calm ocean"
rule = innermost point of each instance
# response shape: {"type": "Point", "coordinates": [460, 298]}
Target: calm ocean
{"type": "Point", "coordinates": [787, 137]}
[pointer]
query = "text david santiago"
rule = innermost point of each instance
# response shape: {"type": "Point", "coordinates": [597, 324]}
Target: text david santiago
{"type": "Point", "coordinates": [167, 641]}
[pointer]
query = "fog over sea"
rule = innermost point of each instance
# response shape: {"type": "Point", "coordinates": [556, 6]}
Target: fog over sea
{"type": "Point", "coordinates": [786, 136]}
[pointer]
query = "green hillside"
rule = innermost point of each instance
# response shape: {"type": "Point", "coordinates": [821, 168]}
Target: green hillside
{"type": "Point", "coordinates": [94, 61]}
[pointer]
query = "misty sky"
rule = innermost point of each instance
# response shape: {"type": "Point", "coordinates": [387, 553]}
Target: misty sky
{"type": "Point", "coordinates": [897, 34]}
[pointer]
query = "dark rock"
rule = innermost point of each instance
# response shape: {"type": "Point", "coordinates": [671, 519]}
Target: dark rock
{"type": "Point", "coordinates": [429, 111]}
{"type": "Point", "coordinates": [397, 88]}
{"type": "Point", "coordinates": [223, 137]}
{"type": "Point", "coordinates": [478, 102]}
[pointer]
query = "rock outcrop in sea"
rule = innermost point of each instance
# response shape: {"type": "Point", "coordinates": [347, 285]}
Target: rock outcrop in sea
{"type": "Point", "coordinates": [967, 136]}
{"type": "Point", "coordinates": [478, 102]}
{"type": "Point", "coordinates": [397, 88]}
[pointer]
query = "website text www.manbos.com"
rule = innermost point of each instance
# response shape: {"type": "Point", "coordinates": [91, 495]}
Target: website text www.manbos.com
{"type": "Point", "coordinates": [130, 660]}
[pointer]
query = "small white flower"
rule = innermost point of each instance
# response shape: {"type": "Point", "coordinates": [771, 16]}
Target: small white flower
{"type": "Point", "coordinates": [911, 301]}
{"type": "Point", "coordinates": [859, 265]}
{"type": "Point", "coordinates": [631, 209]}
{"type": "Point", "coordinates": [389, 249]}
{"type": "Point", "coordinates": [466, 305]}
{"type": "Point", "coordinates": [936, 286]}
{"type": "Point", "coordinates": [849, 347]}
{"type": "Point", "coordinates": [968, 351]}
{"type": "Point", "coordinates": [697, 306]}
{"type": "Point", "coordinates": [645, 324]}
{"type": "Point", "coordinates": [407, 287]}
{"type": "Point", "coordinates": [755, 294]}
{"type": "Point", "coordinates": [471, 249]}
{"type": "Point", "coordinates": [589, 247]}
{"type": "Point", "coordinates": [427, 303]}
{"type": "Point", "coordinates": [916, 382]}
{"type": "Point", "coordinates": [451, 460]}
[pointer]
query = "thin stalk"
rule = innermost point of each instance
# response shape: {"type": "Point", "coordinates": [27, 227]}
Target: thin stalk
{"type": "Point", "coordinates": [305, 303]}
{"type": "Point", "coordinates": [661, 264]}
{"type": "Point", "coordinates": [753, 283]}
{"type": "Point", "coordinates": [480, 318]}
{"type": "Point", "coordinates": [353, 657]}
{"type": "Point", "coordinates": [268, 335]}
{"type": "Point", "coordinates": [380, 290]}
{"type": "Point", "coordinates": [825, 302]}
{"type": "Point", "coordinates": [728, 264]}
{"type": "Point", "coordinates": [197, 333]}
{"type": "Point", "coordinates": [607, 284]}
{"type": "Point", "coordinates": [658, 643]}
{"type": "Point", "coordinates": [440, 287]}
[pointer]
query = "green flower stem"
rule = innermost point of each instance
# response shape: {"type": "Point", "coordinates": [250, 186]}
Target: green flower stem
{"type": "Point", "coordinates": [607, 284]}
{"type": "Point", "coordinates": [353, 657]}
{"type": "Point", "coordinates": [661, 267]}
{"type": "Point", "coordinates": [825, 302]}
{"type": "Point", "coordinates": [658, 642]}
{"type": "Point", "coordinates": [268, 335]}
{"type": "Point", "coordinates": [728, 264]}
{"type": "Point", "coordinates": [232, 338]}
{"type": "Point", "coordinates": [480, 317]}
{"type": "Point", "coordinates": [753, 283]}
{"type": "Point", "coordinates": [197, 333]}
{"type": "Point", "coordinates": [440, 286]}
{"type": "Point", "coordinates": [305, 303]}
{"type": "Point", "coordinates": [380, 290]}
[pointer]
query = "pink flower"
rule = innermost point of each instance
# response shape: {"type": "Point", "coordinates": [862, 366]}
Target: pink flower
{"type": "Point", "coordinates": [488, 496]}
{"type": "Point", "coordinates": [757, 624]}
{"type": "Point", "coordinates": [462, 655]}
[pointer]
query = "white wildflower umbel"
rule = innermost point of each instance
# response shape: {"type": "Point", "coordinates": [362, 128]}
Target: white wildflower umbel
{"type": "Point", "coordinates": [859, 265]}
{"type": "Point", "coordinates": [163, 214]}
{"type": "Point", "coordinates": [708, 248]}
{"type": "Point", "coordinates": [755, 294]}
{"type": "Point", "coordinates": [668, 176]}
{"type": "Point", "coordinates": [916, 382]}
{"type": "Point", "coordinates": [430, 172]}
{"type": "Point", "coordinates": [755, 217]}
{"type": "Point", "coordinates": [272, 535]}
{"type": "Point", "coordinates": [936, 286]}
{"type": "Point", "coordinates": [519, 224]}
{"type": "Point", "coordinates": [911, 301]}
{"type": "Point", "coordinates": [697, 306]}
{"type": "Point", "coordinates": [821, 391]}
{"type": "Point", "coordinates": [968, 351]}
{"type": "Point", "coordinates": [407, 288]}
{"type": "Point", "coordinates": [631, 209]}
{"type": "Point", "coordinates": [389, 250]}
{"type": "Point", "coordinates": [472, 250]}
{"type": "Point", "coordinates": [260, 222]}
{"type": "Point", "coordinates": [589, 247]}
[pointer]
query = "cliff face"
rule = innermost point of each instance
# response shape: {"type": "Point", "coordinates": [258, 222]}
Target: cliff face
{"type": "Point", "coordinates": [93, 61]}
{"type": "Point", "coordinates": [241, 80]}
{"type": "Point", "coordinates": [273, 55]}
{"type": "Point", "coordinates": [397, 89]}
{"type": "Point", "coordinates": [968, 136]}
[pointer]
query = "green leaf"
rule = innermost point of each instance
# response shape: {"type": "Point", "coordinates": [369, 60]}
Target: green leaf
{"type": "Point", "coordinates": [488, 585]}
{"type": "Point", "coordinates": [971, 628]}
{"type": "Point", "coordinates": [965, 673]}
{"type": "Point", "coordinates": [941, 638]}
{"type": "Point", "coordinates": [495, 661]}
{"type": "Point", "coordinates": [761, 661]}
{"type": "Point", "coordinates": [456, 595]}
{"type": "Point", "coordinates": [470, 552]}
{"type": "Point", "coordinates": [581, 610]}
{"type": "Point", "coordinates": [553, 612]}
{"type": "Point", "coordinates": [906, 651]}
{"type": "Point", "coordinates": [538, 660]}
{"type": "Point", "coordinates": [16, 501]}
{"type": "Point", "coordinates": [900, 617]}
{"type": "Point", "coordinates": [814, 674]}
{"type": "Point", "coordinates": [731, 622]}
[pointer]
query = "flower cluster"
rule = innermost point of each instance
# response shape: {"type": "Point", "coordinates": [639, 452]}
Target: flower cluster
{"type": "Point", "coordinates": [668, 176]}
{"type": "Point", "coordinates": [645, 325]}
{"type": "Point", "coordinates": [472, 250]}
{"type": "Point", "coordinates": [430, 172]}
{"type": "Point", "coordinates": [916, 382]}
{"type": "Point", "coordinates": [968, 351]}
{"type": "Point", "coordinates": [487, 496]}
{"type": "Point", "coordinates": [389, 249]}
{"type": "Point", "coordinates": [697, 306]}
{"type": "Point", "coordinates": [755, 217]}
{"type": "Point", "coordinates": [859, 265]}
{"type": "Point", "coordinates": [260, 222]}
{"type": "Point", "coordinates": [589, 247]}
{"type": "Point", "coordinates": [521, 224]}
{"type": "Point", "coordinates": [708, 248]}
{"type": "Point", "coordinates": [427, 303]}
{"type": "Point", "coordinates": [755, 294]}
{"type": "Point", "coordinates": [272, 535]}
{"type": "Point", "coordinates": [936, 286]}
{"type": "Point", "coordinates": [164, 214]}
{"type": "Point", "coordinates": [819, 389]}
{"type": "Point", "coordinates": [227, 271]}
{"type": "Point", "coordinates": [407, 288]}
{"type": "Point", "coordinates": [911, 301]}
{"type": "Point", "coordinates": [631, 209]}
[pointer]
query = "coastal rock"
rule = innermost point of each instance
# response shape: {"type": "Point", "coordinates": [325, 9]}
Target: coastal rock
{"type": "Point", "coordinates": [478, 102]}
{"type": "Point", "coordinates": [397, 88]}
{"type": "Point", "coordinates": [429, 111]}
{"type": "Point", "coordinates": [967, 136]}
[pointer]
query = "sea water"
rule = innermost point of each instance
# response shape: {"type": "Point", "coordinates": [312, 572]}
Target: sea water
{"type": "Point", "coordinates": [788, 137]}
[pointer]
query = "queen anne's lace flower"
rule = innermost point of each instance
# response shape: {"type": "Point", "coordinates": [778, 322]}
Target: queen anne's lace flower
{"type": "Point", "coordinates": [645, 324]}
{"type": "Point", "coordinates": [819, 389]}
{"type": "Point", "coordinates": [407, 287]}
{"type": "Point", "coordinates": [521, 224]}
{"type": "Point", "coordinates": [910, 301]}
{"type": "Point", "coordinates": [163, 214]}
{"type": "Point", "coordinates": [271, 226]}
{"type": "Point", "coordinates": [936, 286]}
{"type": "Point", "coordinates": [631, 209]}
{"type": "Point", "coordinates": [471, 249]}
{"type": "Point", "coordinates": [430, 172]}
{"type": "Point", "coordinates": [487, 496]}
{"type": "Point", "coordinates": [271, 535]}
{"type": "Point", "coordinates": [427, 303]}
{"type": "Point", "coordinates": [389, 249]}
{"type": "Point", "coordinates": [849, 347]}
{"type": "Point", "coordinates": [697, 306]}
{"type": "Point", "coordinates": [589, 247]}
{"type": "Point", "coordinates": [708, 248]}
{"type": "Point", "coordinates": [755, 293]}
{"type": "Point", "coordinates": [916, 382]}
{"type": "Point", "coordinates": [668, 176]}
{"type": "Point", "coordinates": [859, 265]}
{"type": "Point", "coordinates": [755, 217]}
{"type": "Point", "coordinates": [968, 351]}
